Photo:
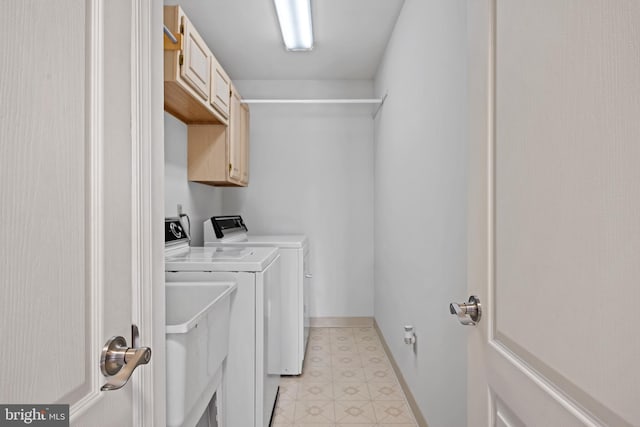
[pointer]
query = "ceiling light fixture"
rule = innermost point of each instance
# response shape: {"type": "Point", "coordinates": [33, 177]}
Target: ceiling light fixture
{"type": "Point", "coordinates": [295, 23]}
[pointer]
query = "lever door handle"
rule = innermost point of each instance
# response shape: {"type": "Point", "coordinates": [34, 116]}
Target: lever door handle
{"type": "Point", "coordinates": [308, 276]}
{"type": "Point", "coordinates": [468, 313]}
{"type": "Point", "coordinates": [118, 361]}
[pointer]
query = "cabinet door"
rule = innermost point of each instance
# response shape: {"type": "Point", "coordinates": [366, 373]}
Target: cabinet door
{"type": "Point", "coordinates": [220, 88]}
{"type": "Point", "coordinates": [235, 149]}
{"type": "Point", "coordinates": [244, 143]}
{"type": "Point", "coordinates": [196, 61]}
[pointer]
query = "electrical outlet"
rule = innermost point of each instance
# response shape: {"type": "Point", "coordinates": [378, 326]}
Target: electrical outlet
{"type": "Point", "coordinates": [179, 209]}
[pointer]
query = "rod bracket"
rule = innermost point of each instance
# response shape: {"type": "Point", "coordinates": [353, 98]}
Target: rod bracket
{"type": "Point", "coordinates": [172, 41]}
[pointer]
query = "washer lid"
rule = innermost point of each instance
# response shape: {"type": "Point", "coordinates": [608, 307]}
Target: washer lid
{"type": "Point", "coordinates": [248, 259]}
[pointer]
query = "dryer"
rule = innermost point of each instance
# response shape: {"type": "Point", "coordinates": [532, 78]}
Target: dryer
{"type": "Point", "coordinates": [231, 231]}
{"type": "Point", "coordinates": [252, 369]}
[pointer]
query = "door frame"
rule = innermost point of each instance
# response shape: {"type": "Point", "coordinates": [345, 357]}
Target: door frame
{"type": "Point", "coordinates": [480, 39]}
{"type": "Point", "coordinates": [147, 136]}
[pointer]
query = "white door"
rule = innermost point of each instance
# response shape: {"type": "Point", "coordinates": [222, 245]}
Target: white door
{"type": "Point", "coordinates": [75, 256]}
{"type": "Point", "coordinates": [554, 212]}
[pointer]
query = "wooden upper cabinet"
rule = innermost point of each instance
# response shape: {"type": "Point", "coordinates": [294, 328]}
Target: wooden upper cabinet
{"type": "Point", "coordinates": [217, 154]}
{"type": "Point", "coordinates": [187, 72]}
{"type": "Point", "coordinates": [220, 88]}
{"type": "Point", "coordinates": [199, 92]}
{"type": "Point", "coordinates": [196, 62]}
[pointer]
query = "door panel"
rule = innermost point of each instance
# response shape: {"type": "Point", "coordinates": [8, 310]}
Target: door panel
{"type": "Point", "coordinates": [555, 240]}
{"type": "Point", "coordinates": [66, 191]}
{"type": "Point", "coordinates": [220, 88]}
{"type": "Point", "coordinates": [504, 416]}
{"type": "Point", "coordinates": [235, 142]}
{"type": "Point", "coordinates": [195, 69]}
{"type": "Point", "coordinates": [244, 142]}
{"type": "Point", "coordinates": [43, 207]}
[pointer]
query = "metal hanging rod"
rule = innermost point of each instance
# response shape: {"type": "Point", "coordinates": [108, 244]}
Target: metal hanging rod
{"type": "Point", "coordinates": [170, 35]}
{"type": "Point", "coordinates": [362, 101]}
{"type": "Point", "coordinates": [312, 101]}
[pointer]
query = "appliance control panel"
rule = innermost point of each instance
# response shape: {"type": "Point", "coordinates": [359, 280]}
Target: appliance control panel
{"type": "Point", "coordinates": [174, 232]}
{"type": "Point", "coordinates": [227, 224]}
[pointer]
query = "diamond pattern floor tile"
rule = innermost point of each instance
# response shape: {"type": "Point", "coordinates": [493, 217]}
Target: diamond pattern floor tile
{"type": "Point", "coordinates": [347, 380]}
{"type": "Point", "coordinates": [315, 412]}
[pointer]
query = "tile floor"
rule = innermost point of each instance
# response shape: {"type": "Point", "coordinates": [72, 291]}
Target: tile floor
{"type": "Point", "coordinates": [347, 381]}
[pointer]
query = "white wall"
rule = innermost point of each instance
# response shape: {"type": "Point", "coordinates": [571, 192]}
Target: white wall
{"type": "Point", "coordinates": [199, 201]}
{"type": "Point", "coordinates": [311, 172]}
{"type": "Point", "coordinates": [420, 204]}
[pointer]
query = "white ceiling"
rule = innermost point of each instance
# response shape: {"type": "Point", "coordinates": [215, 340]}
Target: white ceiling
{"type": "Point", "coordinates": [350, 38]}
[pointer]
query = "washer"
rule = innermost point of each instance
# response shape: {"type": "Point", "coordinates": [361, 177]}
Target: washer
{"type": "Point", "coordinates": [252, 368]}
{"type": "Point", "coordinates": [231, 231]}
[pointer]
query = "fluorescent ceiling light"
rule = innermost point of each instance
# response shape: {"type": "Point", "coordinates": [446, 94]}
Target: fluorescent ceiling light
{"type": "Point", "coordinates": [295, 23]}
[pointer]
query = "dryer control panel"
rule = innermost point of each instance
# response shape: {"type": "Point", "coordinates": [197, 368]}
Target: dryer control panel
{"type": "Point", "coordinates": [224, 226]}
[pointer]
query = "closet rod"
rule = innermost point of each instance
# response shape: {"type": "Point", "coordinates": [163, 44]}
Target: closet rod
{"type": "Point", "coordinates": [170, 35]}
{"type": "Point", "coordinates": [384, 98]}
{"type": "Point", "coordinates": [312, 101]}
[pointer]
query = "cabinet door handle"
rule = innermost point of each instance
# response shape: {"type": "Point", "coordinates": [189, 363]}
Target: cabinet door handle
{"type": "Point", "coordinates": [308, 276]}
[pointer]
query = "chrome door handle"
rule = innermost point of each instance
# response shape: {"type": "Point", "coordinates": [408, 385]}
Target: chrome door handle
{"type": "Point", "coordinates": [468, 313]}
{"type": "Point", "coordinates": [308, 276]}
{"type": "Point", "coordinates": [118, 361]}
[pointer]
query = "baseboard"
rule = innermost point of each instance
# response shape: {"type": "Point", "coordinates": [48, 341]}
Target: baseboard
{"type": "Point", "coordinates": [341, 322]}
{"type": "Point", "coordinates": [405, 387]}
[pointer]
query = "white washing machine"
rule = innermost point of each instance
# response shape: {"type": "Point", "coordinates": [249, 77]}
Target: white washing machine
{"type": "Point", "coordinates": [231, 231]}
{"type": "Point", "coordinates": [252, 368]}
